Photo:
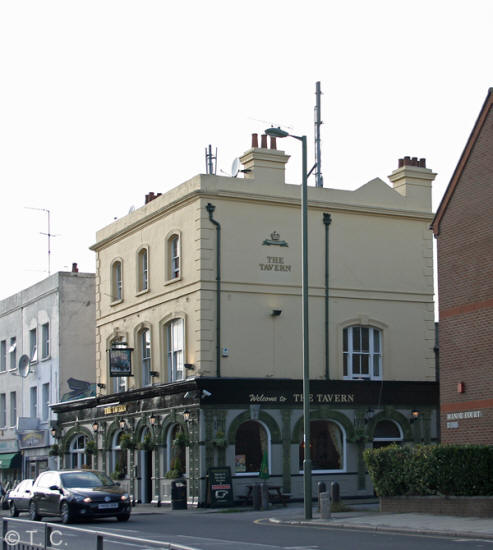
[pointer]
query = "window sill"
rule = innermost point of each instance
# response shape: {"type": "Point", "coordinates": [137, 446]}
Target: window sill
{"type": "Point", "coordinates": [141, 292]}
{"type": "Point", "coordinates": [116, 302]}
{"type": "Point", "coordinates": [171, 281]}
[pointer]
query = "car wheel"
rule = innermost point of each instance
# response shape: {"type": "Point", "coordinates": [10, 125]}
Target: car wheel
{"type": "Point", "coordinates": [33, 512]}
{"type": "Point", "coordinates": [65, 513]}
{"type": "Point", "coordinates": [13, 510]}
{"type": "Point", "coordinates": [123, 517]}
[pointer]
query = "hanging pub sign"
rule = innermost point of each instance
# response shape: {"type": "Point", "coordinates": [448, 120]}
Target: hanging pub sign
{"type": "Point", "coordinates": [120, 360]}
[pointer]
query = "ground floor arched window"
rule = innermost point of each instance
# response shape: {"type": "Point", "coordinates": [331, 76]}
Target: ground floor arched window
{"type": "Point", "coordinates": [77, 452]}
{"type": "Point", "coordinates": [387, 432]}
{"type": "Point", "coordinates": [118, 457]}
{"type": "Point", "coordinates": [327, 446]}
{"type": "Point", "coordinates": [176, 458]}
{"type": "Point", "coordinates": [250, 446]}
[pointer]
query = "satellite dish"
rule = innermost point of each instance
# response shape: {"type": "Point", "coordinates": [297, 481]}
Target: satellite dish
{"type": "Point", "coordinates": [235, 168]}
{"type": "Point", "coordinates": [24, 364]}
{"type": "Point", "coordinates": [131, 209]}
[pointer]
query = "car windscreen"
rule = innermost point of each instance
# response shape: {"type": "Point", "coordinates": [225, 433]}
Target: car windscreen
{"type": "Point", "coordinates": [85, 479]}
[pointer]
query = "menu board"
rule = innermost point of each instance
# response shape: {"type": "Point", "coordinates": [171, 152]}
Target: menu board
{"type": "Point", "coordinates": [220, 488]}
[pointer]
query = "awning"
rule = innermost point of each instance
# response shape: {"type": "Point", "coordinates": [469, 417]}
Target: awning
{"type": "Point", "coordinates": [9, 460]}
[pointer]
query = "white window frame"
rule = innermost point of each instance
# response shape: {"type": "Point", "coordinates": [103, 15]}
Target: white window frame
{"type": "Point", "coordinates": [13, 353]}
{"type": "Point", "coordinates": [117, 281]}
{"type": "Point", "coordinates": [13, 409]}
{"type": "Point", "coordinates": [3, 410]}
{"type": "Point", "coordinates": [371, 353]}
{"type": "Point", "coordinates": [3, 355]}
{"type": "Point", "coordinates": [45, 340]}
{"type": "Point", "coordinates": [33, 345]}
{"type": "Point", "coordinates": [143, 269]}
{"type": "Point", "coordinates": [175, 351]}
{"type": "Point", "coordinates": [344, 449]}
{"type": "Point", "coordinates": [145, 347]}
{"type": "Point", "coordinates": [78, 452]}
{"type": "Point", "coordinates": [45, 396]}
{"type": "Point", "coordinates": [269, 449]}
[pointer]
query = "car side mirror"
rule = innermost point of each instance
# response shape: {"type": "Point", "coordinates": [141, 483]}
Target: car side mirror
{"type": "Point", "coordinates": [54, 488]}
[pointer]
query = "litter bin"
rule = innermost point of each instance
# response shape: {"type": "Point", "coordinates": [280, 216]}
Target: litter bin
{"type": "Point", "coordinates": [179, 494]}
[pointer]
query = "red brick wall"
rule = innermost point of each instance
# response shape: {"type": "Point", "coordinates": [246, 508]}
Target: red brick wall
{"type": "Point", "coordinates": [465, 286]}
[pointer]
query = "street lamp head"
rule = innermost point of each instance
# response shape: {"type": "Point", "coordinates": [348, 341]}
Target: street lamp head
{"type": "Point", "coordinates": [276, 132]}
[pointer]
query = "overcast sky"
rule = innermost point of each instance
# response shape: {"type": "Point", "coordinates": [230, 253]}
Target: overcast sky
{"type": "Point", "coordinates": [103, 101]}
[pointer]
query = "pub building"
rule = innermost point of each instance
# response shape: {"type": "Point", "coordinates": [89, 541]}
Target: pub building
{"type": "Point", "coordinates": [199, 339]}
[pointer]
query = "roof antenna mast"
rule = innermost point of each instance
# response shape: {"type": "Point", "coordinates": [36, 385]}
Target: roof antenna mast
{"type": "Point", "coordinates": [210, 165]}
{"type": "Point", "coordinates": [319, 181]}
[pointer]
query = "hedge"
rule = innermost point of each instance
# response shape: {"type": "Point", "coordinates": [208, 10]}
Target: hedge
{"type": "Point", "coordinates": [460, 470]}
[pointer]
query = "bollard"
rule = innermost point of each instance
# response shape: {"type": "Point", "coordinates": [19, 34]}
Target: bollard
{"type": "Point", "coordinates": [321, 488]}
{"type": "Point", "coordinates": [335, 495]}
{"type": "Point", "coordinates": [256, 497]}
{"type": "Point", "coordinates": [264, 496]}
{"type": "Point", "coordinates": [324, 505]}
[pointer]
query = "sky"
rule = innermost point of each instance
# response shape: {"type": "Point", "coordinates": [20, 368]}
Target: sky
{"type": "Point", "coordinates": [103, 101]}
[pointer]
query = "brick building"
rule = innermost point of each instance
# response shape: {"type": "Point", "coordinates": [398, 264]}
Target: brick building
{"type": "Point", "coordinates": [464, 233]}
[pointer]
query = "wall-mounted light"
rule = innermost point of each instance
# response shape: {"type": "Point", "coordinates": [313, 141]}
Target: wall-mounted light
{"type": "Point", "coordinates": [186, 415]}
{"type": "Point", "coordinates": [95, 427]}
{"type": "Point", "coordinates": [276, 312]}
{"type": "Point", "coordinates": [369, 415]}
{"type": "Point", "coordinates": [123, 424]}
{"type": "Point", "coordinates": [153, 373]}
{"type": "Point", "coordinates": [100, 385]}
{"type": "Point", "coordinates": [189, 366]}
{"type": "Point", "coordinates": [152, 419]}
{"type": "Point", "coordinates": [53, 432]}
{"type": "Point", "coordinates": [414, 415]}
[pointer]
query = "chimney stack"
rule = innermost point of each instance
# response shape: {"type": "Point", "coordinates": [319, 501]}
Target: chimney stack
{"type": "Point", "coordinates": [75, 269]}
{"type": "Point", "coordinates": [413, 180]}
{"type": "Point", "coordinates": [264, 164]}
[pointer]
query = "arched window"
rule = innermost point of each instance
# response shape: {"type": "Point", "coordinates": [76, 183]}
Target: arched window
{"type": "Point", "coordinates": [250, 445]}
{"type": "Point", "coordinates": [327, 446]}
{"type": "Point", "coordinates": [77, 451]}
{"type": "Point", "coordinates": [145, 356]}
{"type": "Point", "coordinates": [142, 270]}
{"type": "Point", "coordinates": [118, 459]}
{"type": "Point", "coordinates": [174, 333]}
{"type": "Point", "coordinates": [386, 432]}
{"type": "Point", "coordinates": [176, 449]}
{"type": "Point", "coordinates": [116, 281]}
{"type": "Point", "coordinates": [362, 353]}
{"type": "Point", "coordinates": [174, 257]}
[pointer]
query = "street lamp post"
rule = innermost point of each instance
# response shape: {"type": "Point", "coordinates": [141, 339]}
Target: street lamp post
{"type": "Point", "coordinates": [307, 462]}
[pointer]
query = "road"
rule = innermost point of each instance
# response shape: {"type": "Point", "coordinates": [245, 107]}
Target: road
{"type": "Point", "coordinates": [239, 531]}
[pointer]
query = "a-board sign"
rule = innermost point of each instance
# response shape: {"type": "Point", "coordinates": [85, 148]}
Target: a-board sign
{"type": "Point", "coordinates": [220, 487]}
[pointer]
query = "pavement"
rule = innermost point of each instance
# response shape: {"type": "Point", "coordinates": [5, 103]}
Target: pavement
{"type": "Point", "coordinates": [359, 515]}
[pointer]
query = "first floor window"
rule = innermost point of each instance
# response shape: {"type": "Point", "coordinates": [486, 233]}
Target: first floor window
{"type": "Point", "coordinates": [46, 400]}
{"type": "Point", "coordinates": [362, 353]}
{"type": "Point", "coordinates": [3, 355]}
{"type": "Point", "coordinates": [13, 408]}
{"type": "Point", "coordinates": [13, 353]}
{"type": "Point", "coordinates": [174, 338]}
{"type": "Point", "coordinates": [145, 356]}
{"type": "Point", "coordinates": [34, 401]}
{"type": "Point", "coordinates": [250, 445]}
{"type": "Point", "coordinates": [3, 410]}
{"type": "Point", "coordinates": [45, 341]}
{"type": "Point", "coordinates": [33, 348]}
{"type": "Point", "coordinates": [327, 446]}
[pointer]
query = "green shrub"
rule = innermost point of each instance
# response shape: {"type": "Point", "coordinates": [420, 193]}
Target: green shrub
{"type": "Point", "coordinates": [461, 470]}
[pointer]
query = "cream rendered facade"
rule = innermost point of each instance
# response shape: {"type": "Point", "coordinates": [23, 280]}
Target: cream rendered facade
{"type": "Point", "coordinates": [236, 395]}
{"type": "Point", "coordinates": [380, 274]}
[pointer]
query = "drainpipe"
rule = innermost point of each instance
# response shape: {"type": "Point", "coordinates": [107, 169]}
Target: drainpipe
{"type": "Point", "coordinates": [210, 209]}
{"type": "Point", "coordinates": [327, 219]}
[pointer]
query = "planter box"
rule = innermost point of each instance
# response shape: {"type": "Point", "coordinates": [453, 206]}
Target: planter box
{"type": "Point", "coordinates": [480, 507]}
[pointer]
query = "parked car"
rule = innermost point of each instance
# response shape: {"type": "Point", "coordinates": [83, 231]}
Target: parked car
{"type": "Point", "coordinates": [19, 497]}
{"type": "Point", "coordinates": [78, 494]}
